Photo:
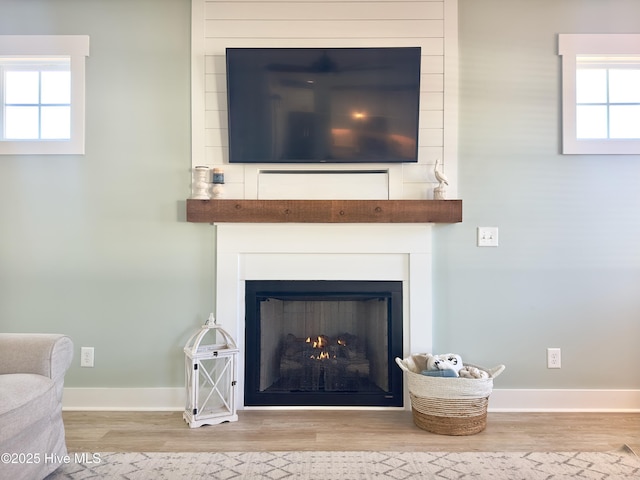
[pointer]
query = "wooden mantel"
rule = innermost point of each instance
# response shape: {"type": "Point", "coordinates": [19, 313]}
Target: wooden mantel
{"type": "Point", "coordinates": [324, 211]}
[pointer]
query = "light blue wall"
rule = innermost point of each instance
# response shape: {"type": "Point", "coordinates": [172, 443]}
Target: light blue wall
{"type": "Point", "coordinates": [96, 246]}
{"type": "Point", "coordinates": [567, 271]}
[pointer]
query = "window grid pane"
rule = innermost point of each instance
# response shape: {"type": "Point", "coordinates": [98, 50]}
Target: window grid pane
{"type": "Point", "coordinates": [591, 121]}
{"type": "Point", "coordinates": [22, 88]}
{"type": "Point", "coordinates": [607, 103]}
{"type": "Point", "coordinates": [56, 88]}
{"type": "Point", "coordinates": [37, 103]}
{"type": "Point", "coordinates": [591, 85]}
{"type": "Point", "coordinates": [625, 121]}
{"type": "Point", "coordinates": [21, 123]}
{"type": "Point", "coordinates": [55, 123]}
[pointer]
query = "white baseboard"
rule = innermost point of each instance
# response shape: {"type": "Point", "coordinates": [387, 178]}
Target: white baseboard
{"type": "Point", "coordinates": [565, 400]}
{"type": "Point", "coordinates": [502, 400]}
{"type": "Point", "coordinates": [133, 399]}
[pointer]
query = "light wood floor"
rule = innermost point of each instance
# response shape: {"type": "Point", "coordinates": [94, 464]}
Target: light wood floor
{"type": "Point", "coordinates": [345, 430]}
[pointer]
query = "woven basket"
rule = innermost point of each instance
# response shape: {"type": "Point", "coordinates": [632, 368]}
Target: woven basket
{"type": "Point", "coordinates": [449, 406]}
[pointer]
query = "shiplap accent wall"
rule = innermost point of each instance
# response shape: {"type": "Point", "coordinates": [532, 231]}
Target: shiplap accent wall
{"type": "Point", "coordinates": [432, 25]}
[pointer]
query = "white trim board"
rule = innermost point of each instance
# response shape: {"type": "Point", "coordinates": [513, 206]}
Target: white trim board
{"type": "Point", "coordinates": [502, 400]}
{"type": "Point", "coordinates": [564, 400]}
{"type": "Point", "coordinates": [124, 399]}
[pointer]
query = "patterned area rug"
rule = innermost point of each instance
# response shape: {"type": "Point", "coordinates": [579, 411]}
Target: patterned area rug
{"type": "Point", "coordinates": [621, 464]}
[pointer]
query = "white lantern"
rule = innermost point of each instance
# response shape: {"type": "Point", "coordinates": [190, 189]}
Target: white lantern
{"type": "Point", "coordinates": [211, 377]}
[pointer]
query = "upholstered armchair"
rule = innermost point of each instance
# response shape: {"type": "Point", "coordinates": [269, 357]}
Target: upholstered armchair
{"type": "Point", "coordinates": [32, 370]}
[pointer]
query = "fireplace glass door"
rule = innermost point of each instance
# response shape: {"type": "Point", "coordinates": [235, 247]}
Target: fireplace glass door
{"type": "Point", "coordinates": [323, 343]}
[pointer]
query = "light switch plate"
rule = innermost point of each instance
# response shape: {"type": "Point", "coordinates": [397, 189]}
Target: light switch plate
{"type": "Point", "coordinates": [487, 236]}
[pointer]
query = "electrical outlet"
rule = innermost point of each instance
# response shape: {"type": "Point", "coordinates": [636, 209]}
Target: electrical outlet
{"type": "Point", "coordinates": [86, 357]}
{"type": "Point", "coordinates": [553, 358]}
{"type": "Point", "coordinates": [487, 236]}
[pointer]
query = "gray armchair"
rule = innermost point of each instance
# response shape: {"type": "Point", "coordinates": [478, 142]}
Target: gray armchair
{"type": "Point", "coordinates": [32, 370]}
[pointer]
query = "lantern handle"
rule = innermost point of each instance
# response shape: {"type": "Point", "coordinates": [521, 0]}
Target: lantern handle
{"type": "Point", "coordinates": [211, 321]}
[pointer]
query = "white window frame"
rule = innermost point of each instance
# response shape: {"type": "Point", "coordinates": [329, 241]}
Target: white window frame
{"type": "Point", "coordinates": [76, 47]}
{"type": "Point", "coordinates": [570, 46]}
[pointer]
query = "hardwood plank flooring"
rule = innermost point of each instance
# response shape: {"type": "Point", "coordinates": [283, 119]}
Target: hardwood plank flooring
{"type": "Point", "coordinates": [261, 430]}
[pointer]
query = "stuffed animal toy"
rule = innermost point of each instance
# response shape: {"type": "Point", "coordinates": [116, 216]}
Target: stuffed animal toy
{"type": "Point", "coordinates": [447, 365]}
{"type": "Point", "coordinates": [449, 361]}
{"type": "Point", "coordinates": [472, 372]}
{"type": "Point", "coordinates": [416, 362]}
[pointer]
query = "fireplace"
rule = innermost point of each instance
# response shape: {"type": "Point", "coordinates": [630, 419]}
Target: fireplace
{"type": "Point", "coordinates": [323, 343]}
{"type": "Point", "coordinates": [399, 253]}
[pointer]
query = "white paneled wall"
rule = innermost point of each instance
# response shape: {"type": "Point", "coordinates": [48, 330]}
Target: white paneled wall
{"type": "Point", "coordinates": [431, 25]}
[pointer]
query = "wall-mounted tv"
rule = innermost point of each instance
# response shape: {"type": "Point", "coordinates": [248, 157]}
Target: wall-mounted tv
{"type": "Point", "coordinates": [316, 105]}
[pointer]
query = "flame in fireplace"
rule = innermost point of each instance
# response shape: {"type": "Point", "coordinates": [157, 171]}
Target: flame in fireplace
{"type": "Point", "coordinates": [321, 356]}
{"type": "Point", "coordinates": [321, 343]}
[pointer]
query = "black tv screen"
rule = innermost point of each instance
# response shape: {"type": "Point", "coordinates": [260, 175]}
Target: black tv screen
{"type": "Point", "coordinates": [313, 105]}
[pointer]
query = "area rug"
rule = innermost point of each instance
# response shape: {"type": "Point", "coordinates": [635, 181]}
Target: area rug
{"type": "Point", "coordinates": [620, 464]}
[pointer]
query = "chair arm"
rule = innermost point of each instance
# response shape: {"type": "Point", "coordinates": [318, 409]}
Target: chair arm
{"type": "Point", "coordinates": [41, 353]}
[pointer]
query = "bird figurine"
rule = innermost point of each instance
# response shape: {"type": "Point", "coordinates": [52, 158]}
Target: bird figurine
{"type": "Point", "coordinates": [440, 176]}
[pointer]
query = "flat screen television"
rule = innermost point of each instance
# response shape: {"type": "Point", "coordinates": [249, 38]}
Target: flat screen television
{"type": "Point", "coordinates": [316, 105]}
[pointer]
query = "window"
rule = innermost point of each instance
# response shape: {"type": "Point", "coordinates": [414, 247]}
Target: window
{"type": "Point", "coordinates": [42, 94]}
{"type": "Point", "coordinates": [607, 97]}
{"type": "Point", "coordinates": [600, 93]}
{"type": "Point", "coordinates": [37, 99]}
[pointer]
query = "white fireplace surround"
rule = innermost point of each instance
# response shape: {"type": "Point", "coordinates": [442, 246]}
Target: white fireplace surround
{"type": "Point", "coordinates": [399, 252]}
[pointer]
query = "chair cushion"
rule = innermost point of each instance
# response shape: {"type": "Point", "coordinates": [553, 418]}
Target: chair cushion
{"type": "Point", "coordinates": [25, 398]}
